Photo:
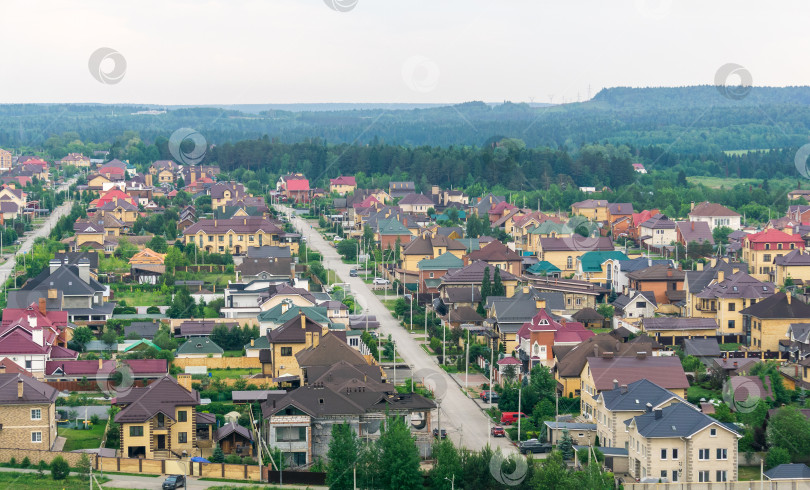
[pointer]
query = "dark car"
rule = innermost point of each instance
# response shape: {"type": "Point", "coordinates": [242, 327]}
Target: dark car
{"type": "Point", "coordinates": [353, 273]}
{"type": "Point", "coordinates": [498, 431]}
{"type": "Point", "coordinates": [485, 396]}
{"type": "Point", "coordinates": [436, 433]}
{"type": "Point", "coordinates": [174, 481]}
{"type": "Point", "coordinates": [534, 446]}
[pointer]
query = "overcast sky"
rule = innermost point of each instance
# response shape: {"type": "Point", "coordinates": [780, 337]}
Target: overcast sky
{"type": "Point", "coordinates": [288, 51]}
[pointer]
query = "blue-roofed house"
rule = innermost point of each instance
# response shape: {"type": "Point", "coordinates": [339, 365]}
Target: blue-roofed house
{"type": "Point", "coordinates": [544, 268]}
{"type": "Point", "coordinates": [789, 471]}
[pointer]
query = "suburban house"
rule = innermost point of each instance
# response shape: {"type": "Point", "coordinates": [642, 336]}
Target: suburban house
{"type": "Point", "coordinates": [400, 189]}
{"type": "Point", "coordinates": [564, 252]}
{"type": "Point", "coordinates": [715, 215]}
{"type": "Point", "coordinates": [427, 247]}
{"type": "Point", "coordinates": [496, 254]}
{"type": "Point", "coordinates": [600, 372]}
{"type": "Point", "coordinates": [432, 270]}
{"type": "Point", "coordinates": [727, 296]}
{"type": "Point", "coordinates": [766, 322]}
{"type": "Point", "coordinates": [760, 249]}
{"type": "Point", "coordinates": [794, 265]}
{"type": "Point", "coordinates": [415, 203]}
{"type": "Point", "coordinates": [199, 348]}
{"type": "Point", "coordinates": [6, 159]}
{"type": "Point", "coordinates": [471, 277]}
{"type": "Point", "coordinates": [680, 444]}
{"type": "Point", "coordinates": [663, 280]}
{"type": "Point", "coordinates": [623, 402]}
{"type": "Point", "coordinates": [27, 413]}
{"type": "Point", "coordinates": [235, 235]}
{"type": "Point", "coordinates": [146, 266]}
{"type": "Point", "coordinates": [75, 159]}
{"type": "Point", "coordinates": [595, 266]}
{"type": "Point", "coordinates": [673, 329]}
{"type": "Point", "coordinates": [32, 336]}
{"type": "Point", "coordinates": [689, 232]}
{"type": "Point", "coordinates": [159, 421]}
{"type": "Point", "coordinates": [657, 232]}
{"type": "Point", "coordinates": [576, 294]}
{"type": "Point", "coordinates": [279, 361]}
{"type": "Point", "coordinates": [570, 362]}
{"type": "Point", "coordinates": [342, 185]}
{"type": "Point", "coordinates": [593, 209]}
{"type": "Point", "coordinates": [265, 269]}
{"type": "Point", "coordinates": [101, 370]}
{"type": "Point", "coordinates": [539, 337]}
{"type": "Point", "coordinates": [635, 304]}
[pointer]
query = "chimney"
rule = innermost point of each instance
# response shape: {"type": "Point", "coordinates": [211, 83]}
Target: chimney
{"type": "Point", "coordinates": [37, 335]}
{"type": "Point", "coordinates": [52, 294]}
{"type": "Point", "coordinates": [713, 261]}
{"type": "Point", "coordinates": [669, 271]}
{"type": "Point", "coordinates": [649, 407]}
{"type": "Point", "coordinates": [100, 364]}
{"type": "Point", "coordinates": [54, 264]}
{"type": "Point", "coordinates": [692, 206]}
{"type": "Point", "coordinates": [735, 364]}
{"type": "Point", "coordinates": [641, 355]}
{"type": "Point", "coordinates": [700, 266]}
{"type": "Point", "coordinates": [526, 289]}
{"type": "Point", "coordinates": [624, 389]}
{"type": "Point", "coordinates": [20, 385]}
{"type": "Point", "coordinates": [84, 270]}
{"type": "Point", "coordinates": [693, 226]}
{"type": "Point", "coordinates": [303, 319]}
{"type": "Point", "coordinates": [3, 369]}
{"type": "Point", "coordinates": [184, 380]}
{"type": "Point", "coordinates": [615, 384]}
{"type": "Point", "coordinates": [658, 413]}
{"type": "Point", "coordinates": [42, 306]}
{"type": "Point", "coordinates": [540, 304]}
{"type": "Point", "coordinates": [252, 342]}
{"type": "Point", "coordinates": [788, 296]}
{"type": "Point", "coordinates": [721, 276]}
{"type": "Point", "coordinates": [595, 351]}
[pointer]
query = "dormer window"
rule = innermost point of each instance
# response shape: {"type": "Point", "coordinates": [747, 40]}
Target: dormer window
{"type": "Point", "coordinates": [767, 246]}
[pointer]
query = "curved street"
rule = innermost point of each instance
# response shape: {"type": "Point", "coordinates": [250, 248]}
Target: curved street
{"type": "Point", "coordinates": [465, 422]}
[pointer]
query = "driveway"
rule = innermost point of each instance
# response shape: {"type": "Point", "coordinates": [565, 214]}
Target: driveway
{"type": "Point", "coordinates": [461, 416]}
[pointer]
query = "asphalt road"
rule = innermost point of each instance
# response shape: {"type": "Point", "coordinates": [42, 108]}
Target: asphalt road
{"type": "Point", "coordinates": [42, 231]}
{"type": "Point", "coordinates": [461, 417]}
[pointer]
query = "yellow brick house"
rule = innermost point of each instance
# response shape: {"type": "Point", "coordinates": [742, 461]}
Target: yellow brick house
{"type": "Point", "coordinates": [766, 322]}
{"type": "Point", "coordinates": [235, 235]}
{"type": "Point", "coordinates": [27, 412]}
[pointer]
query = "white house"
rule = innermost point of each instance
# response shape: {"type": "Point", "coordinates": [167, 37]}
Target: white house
{"type": "Point", "coordinates": [636, 304]}
{"type": "Point", "coordinates": [715, 215]}
{"type": "Point", "coordinates": [658, 231]}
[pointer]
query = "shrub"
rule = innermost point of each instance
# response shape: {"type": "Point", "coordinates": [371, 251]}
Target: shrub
{"type": "Point", "coordinates": [249, 460]}
{"type": "Point", "coordinates": [218, 456]}
{"type": "Point", "coordinates": [83, 466]}
{"type": "Point", "coordinates": [153, 310]}
{"type": "Point", "coordinates": [41, 467]}
{"type": "Point", "coordinates": [59, 468]}
{"type": "Point", "coordinates": [12, 462]}
{"type": "Point", "coordinates": [95, 420]}
{"type": "Point", "coordinates": [25, 462]}
{"type": "Point", "coordinates": [776, 456]}
{"type": "Point", "coordinates": [233, 459]}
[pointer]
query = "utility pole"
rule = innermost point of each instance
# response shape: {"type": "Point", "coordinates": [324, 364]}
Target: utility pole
{"type": "Point", "coordinates": [520, 390]}
{"type": "Point", "coordinates": [467, 365]}
{"type": "Point", "coordinates": [395, 363]}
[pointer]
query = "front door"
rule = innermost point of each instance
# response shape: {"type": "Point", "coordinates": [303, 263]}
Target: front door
{"type": "Point", "coordinates": [161, 442]}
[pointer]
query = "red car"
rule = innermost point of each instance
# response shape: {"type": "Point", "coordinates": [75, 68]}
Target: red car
{"type": "Point", "coordinates": [498, 431]}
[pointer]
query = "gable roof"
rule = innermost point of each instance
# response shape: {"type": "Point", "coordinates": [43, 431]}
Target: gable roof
{"type": "Point", "coordinates": [444, 261]}
{"type": "Point", "coordinates": [796, 257]}
{"type": "Point", "coordinates": [778, 306]}
{"type": "Point", "coordinates": [474, 273]}
{"type": "Point", "coordinates": [494, 251]}
{"type": "Point", "coordinates": [200, 345]}
{"type": "Point", "coordinates": [665, 371]}
{"type": "Point", "coordinates": [707, 208]}
{"type": "Point", "coordinates": [592, 261]}
{"type": "Point", "coordinates": [34, 391]}
{"type": "Point", "coordinates": [161, 396]}
{"type": "Point", "coordinates": [739, 285]}
{"type": "Point", "coordinates": [657, 273]}
{"type": "Point", "coordinates": [677, 323]}
{"type": "Point", "coordinates": [695, 231]}
{"type": "Point", "coordinates": [701, 347]}
{"type": "Point", "coordinates": [543, 268]}
{"type": "Point", "coordinates": [677, 420]}
{"type": "Point", "coordinates": [636, 396]}
{"type": "Point", "coordinates": [291, 332]}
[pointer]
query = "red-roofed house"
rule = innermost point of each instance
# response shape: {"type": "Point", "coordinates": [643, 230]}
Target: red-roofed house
{"type": "Point", "coordinates": [537, 338]}
{"type": "Point", "coordinates": [500, 210]}
{"type": "Point", "coordinates": [342, 185]}
{"type": "Point", "coordinates": [112, 196]}
{"type": "Point", "coordinates": [637, 219]}
{"type": "Point", "coordinates": [760, 249]}
{"type": "Point", "coordinates": [504, 363]}
{"type": "Point", "coordinates": [297, 189]}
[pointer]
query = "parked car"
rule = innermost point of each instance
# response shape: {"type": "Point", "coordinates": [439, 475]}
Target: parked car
{"type": "Point", "coordinates": [436, 433]}
{"type": "Point", "coordinates": [485, 396]}
{"type": "Point", "coordinates": [353, 273]}
{"type": "Point", "coordinates": [534, 446]}
{"type": "Point", "coordinates": [498, 431]}
{"type": "Point", "coordinates": [381, 281]}
{"type": "Point", "coordinates": [510, 418]}
{"type": "Point", "coordinates": [338, 239]}
{"type": "Point", "coordinates": [174, 481]}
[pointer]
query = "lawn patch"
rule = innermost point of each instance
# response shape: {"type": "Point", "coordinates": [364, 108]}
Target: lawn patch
{"type": "Point", "coordinates": [82, 439]}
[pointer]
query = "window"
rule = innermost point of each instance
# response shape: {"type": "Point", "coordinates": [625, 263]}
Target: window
{"type": "Point", "coordinates": [703, 454]}
{"type": "Point", "coordinates": [703, 476]}
{"type": "Point", "coordinates": [731, 324]}
{"type": "Point", "coordinates": [766, 258]}
{"type": "Point", "coordinates": [250, 238]}
{"type": "Point", "coordinates": [732, 306]}
{"type": "Point", "coordinates": [286, 351]}
{"type": "Point", "coordinates": [182, 416]}
{"type": "Point", "coordinates": [431, 275]}
{"type": "Point", "coordinates": [779, 246]}
{"type": "Point", "coordinates": [222, 238]}
{"type": "Point", "coordinates": [641, 304]}
{"type": "Point", "coordinates": [161, 420]}
{"type": "Point", "coordinates": [663, 473]}
{"type": "Point", "coordinates": [767, 247]}
{"type": "Point", "coordinates": [36, 437]}
{"type": "Point", "coordinates": [663, 454]}
{"type": "Point", "coordinates": [136, 431]}
{"type": "Point", "coordinates": [240, 238]}
{"type": "Point", "coordinates": [713, 432]}
{"type": "Point", "coordinates": [36, 414]}
{"type": "Point", "coordinates": [182, 437]}
{"type": "Point", "coordinates": [221, 248]}
{"type": "Point", "coordinates": [211, 238]}
{"type": "Point", "coordinates": [579, 301]}
{"type": "Point", "coordinates": [28, 364]}
{"type": "Point", "coordinates": [722, 453]}
{"type": "Point", "coordinates": [721, 475]}
{"type": "Point", "coordinates": [569, 262]}
{"type": "Point", "coordinates": [674, 475]}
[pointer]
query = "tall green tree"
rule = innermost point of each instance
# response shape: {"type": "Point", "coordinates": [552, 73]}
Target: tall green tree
{"type": "Point", "coordinates": [789, 429]}
{"type": "Point", "coordinates": [399, 456]}
{"type": "Point", "coordinates": [344, 450]}
{"type": "Point", "coordinates": [498, 288]}
{"type": "Point", "coordinates": [448, 465]}
{"type": "Point", "coordinates": [486, 286]}
{"type": "Point", "coordinates": [81, 336]}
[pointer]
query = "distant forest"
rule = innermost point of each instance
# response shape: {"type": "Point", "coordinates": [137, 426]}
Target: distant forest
{"type": "Point", "coordinates": [687, 120]}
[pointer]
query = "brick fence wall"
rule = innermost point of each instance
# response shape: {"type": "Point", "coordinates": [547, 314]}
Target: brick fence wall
{"type": "Point", "coordinates": [168, 466]}
{"type": "Point", "coordinates": [35, 456]}
{"type": "Point", "coordinates": [736, 485]}
{"type": "Point", "coordinates": [220, 362]}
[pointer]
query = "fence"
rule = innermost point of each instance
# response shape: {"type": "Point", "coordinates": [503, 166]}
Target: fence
{"type": "Point", "coordinates": [172, 466]}
{"type": "Point", "coordinates": [736, 485]}
{"type": "Point", "coordinates": [200, 267]}
{"type": "Point", "coordinates": [220, 362]}
{"type": "Point", "coordinates": [294, 477]}
{"type": "Point", "coordinates": [37, 455]}
{"type": "Point", "coordinates": [89, 385]}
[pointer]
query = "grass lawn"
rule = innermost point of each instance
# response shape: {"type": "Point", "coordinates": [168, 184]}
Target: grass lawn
{"type": "Point", "coordinates": [141, 298]}
{"type": "Point", "coordinates": [730, 346]}
{"type": "Point", "coordinates": [233, 353]}
{"type": "Point", "coordinates": [232, 373]}
{"type": "Point", "coordinates": [82, 439]}
{"type": "Point", "coordinates": [34, 481]}
{"type": "Point", "coordinates": [601, 330]}
{"type": "Point", "coordinates": [696, 393]}
{"type": "Point", "coordinates": [748, 473]}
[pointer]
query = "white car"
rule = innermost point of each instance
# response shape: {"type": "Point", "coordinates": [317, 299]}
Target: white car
{"type": "Point", "coordinates": [338, 239]}
{"type": "Point", "coordinates": [380, 281]}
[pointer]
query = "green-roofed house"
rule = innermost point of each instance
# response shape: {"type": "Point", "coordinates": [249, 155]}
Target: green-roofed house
{"type": "Point", "coordinates": [544, 268]}
{"type": "Point", "coordinates": [432, 270]}
{"type": "Point", "coordinates": [136, 346]}
{"type": "Point", "coordinates": [282, 313]}
{"type": "Point", "coordinates": [546, 229]}
{"type": "Point", "coordinates": [253, 347]}
{"type": "Point", "coordinates": [388, 231]}
{"type": "Point", "coordinates": [472, 244]}
{"type": "Point", "coordinates": [591, 266]}
{"type": "Point", "coordinates": [198, 347]}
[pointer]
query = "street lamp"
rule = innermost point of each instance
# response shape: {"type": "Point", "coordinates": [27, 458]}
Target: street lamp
{"type": "Point", "coordinates": [453, 481]}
